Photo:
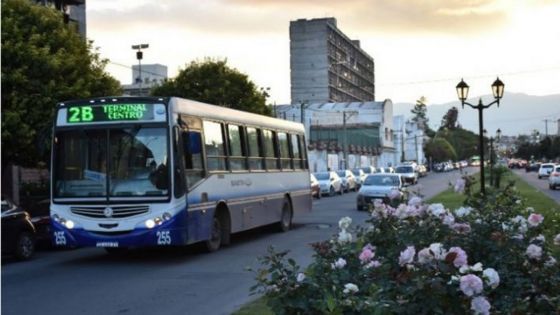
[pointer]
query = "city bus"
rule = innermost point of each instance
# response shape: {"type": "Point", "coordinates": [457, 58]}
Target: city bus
{"type": "Point", "coordinates": [148, 171]}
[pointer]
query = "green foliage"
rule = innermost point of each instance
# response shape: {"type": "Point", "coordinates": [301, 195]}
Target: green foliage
{"type": "Point", "coordinates": [416, 259]}
{"type": "Point", "coordinates": [43, 61]}
{"type": "Point", "coordinates": [420, 110]}
{"type": "Point", "coordinates": [449, 120]}
{"type": "Point", "coordinates": [439, 149]}
{"type": "Point", "coordinates": [214, 82]}
{"type": "Point", "coordinates": [546, 149]}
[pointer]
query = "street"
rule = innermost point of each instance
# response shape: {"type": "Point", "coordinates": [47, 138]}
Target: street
{"type": "Point", "coordinates": [540, 184]}
{"type": "Point", "coordinates": [171, 280]}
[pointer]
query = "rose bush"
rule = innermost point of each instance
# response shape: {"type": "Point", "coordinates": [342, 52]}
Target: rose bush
{"type": "Point", "coordinates": [489, 256]}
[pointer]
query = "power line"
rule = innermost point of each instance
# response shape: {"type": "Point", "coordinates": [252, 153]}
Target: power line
{"type": "Point", "coordinates": [482, 76]}
{"type": "Point", "coordinates": [131, 68]}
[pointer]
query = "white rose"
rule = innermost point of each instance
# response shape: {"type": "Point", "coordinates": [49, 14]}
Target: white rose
{"type": "Point", "coordinates": [436, 209]}
{"type": "Point", "coordinates": [492, 278]}
{"type": "Point", "coordinates": [339, 264]}
{"type": "Point", "coordinates": [557, 239]}
{"type": "Point", "coordinates": [344, 237]}
{"type": "Point", "coordinates": [300, 277]}
{"type": "Point", "coordinates": [477, 267]}
{"type": "Point", "coordinates": [438, 251]}
{"type": "Point", "coordinates": [534, 252]}
{"type": "Point", "coordinates": [463, 211]}
{"type": "Point", "coordinates": [350, 288]}
{"type": "Point", "coordinates": [344, 223]}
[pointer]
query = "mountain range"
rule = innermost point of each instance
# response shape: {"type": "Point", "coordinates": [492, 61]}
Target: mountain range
{"type": "Point", "coordinates": [518, 114]}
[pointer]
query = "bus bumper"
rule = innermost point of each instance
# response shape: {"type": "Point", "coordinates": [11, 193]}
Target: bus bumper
{"type": "Point", "coordinates": [169, 233]}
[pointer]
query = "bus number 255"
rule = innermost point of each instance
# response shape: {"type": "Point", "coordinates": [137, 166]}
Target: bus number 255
{"type": "Point", "coordinates": [163, 238]}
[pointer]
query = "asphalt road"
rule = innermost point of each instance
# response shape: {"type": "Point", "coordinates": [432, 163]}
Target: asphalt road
{"type": "Point", "coordinates": [171, 280]}
{"type": "Point", "coordinates": [540, 184]}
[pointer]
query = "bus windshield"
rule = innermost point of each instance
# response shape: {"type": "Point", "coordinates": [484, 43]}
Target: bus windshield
{"type": "Point", "coordinates": [111, 162]}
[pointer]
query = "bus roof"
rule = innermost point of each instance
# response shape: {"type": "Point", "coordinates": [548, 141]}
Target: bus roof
{"type": "Point", "coordinates": [200, 109]}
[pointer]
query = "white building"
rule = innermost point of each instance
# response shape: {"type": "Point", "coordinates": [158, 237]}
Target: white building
{"type": "Point", "coordinates": [359, 131]}
{"type": "Point", "coordinates": [143, 81]}
{"type": "Point", "coordinates": [409, 140]}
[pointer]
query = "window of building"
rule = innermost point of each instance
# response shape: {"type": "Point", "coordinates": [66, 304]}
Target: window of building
{"type": "Point", "coordinates": [386, 133]}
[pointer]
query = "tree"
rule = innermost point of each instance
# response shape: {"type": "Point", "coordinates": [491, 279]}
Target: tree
{"type": "Point", "coordinates": [214, 82]}
{"type": "Point", "coordinates": [449, 120]}
{"type": "Point", "coordinates": [44, 61]}
{"type": "Point", "coordinates": [440, 150]}
{"type": "Point", "coordinates": [419, 111]}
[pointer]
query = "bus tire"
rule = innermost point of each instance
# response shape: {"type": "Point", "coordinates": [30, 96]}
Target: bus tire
{"type": "Point", "coordinates": [285, 223]}
{"type": "Point", "coordinates": [220, 234]}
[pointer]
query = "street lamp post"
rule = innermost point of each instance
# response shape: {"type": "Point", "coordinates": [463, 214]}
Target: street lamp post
{"type": "Point", "coordinates": [139, 55]}
{"type": "Point", "coordinates": [492, 139]}
{"type": "Point", "coordinates": [462, 93]}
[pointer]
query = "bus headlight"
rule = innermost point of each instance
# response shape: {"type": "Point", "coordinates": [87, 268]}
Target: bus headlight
{"type": "Point", "coordinates": [150, 223]}
{"type": "Point", "coordinates": [166, 216]}
{"type": "Point", "coordinates": [69, 224]}
{"type": "Point", "coordinates": [157, 221]}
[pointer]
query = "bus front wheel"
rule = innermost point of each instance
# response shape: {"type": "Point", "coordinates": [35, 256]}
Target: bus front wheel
{"type": "Point", "coordinates": [215, 240]}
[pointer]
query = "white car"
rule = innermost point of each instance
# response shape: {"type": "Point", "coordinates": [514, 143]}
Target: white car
{"type": "Point", "coordinates": [329, 182]}
{"type": "Point", "coordinates": [408, 173]}
{"type": "Point", "coordinates": [348, 180]}
{"type": "Point", "coordinates": [359, 175]}
{"type": "Point", "coordinates": [554, 178]}
{"type": "Point", "coordinates": [545, 170]}
{"type": "Point", "coordinates": [378, 187]}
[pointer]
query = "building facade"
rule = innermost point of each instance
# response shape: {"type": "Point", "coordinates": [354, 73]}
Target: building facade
{"type": "Point", "coordinates": [409, 141]}
{"type": "Point", "coordinates": [74, 12]}
{"type": "Point", "coordinates": [327, 66]}
{"type": "Point", "coordinates": [345, 135]}
{"type": "Point", "coordinates": [143, 81]}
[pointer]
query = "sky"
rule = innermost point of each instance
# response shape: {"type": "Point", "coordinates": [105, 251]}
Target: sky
{"type": "Point", "coordinates": [420, 48]}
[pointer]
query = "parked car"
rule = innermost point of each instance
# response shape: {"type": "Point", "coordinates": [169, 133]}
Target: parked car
{"type": "Point", "coordinates": [359, 175]}
{"type": "Point", "coordinates": [422, 170]}
{"type": "Point", "coordinates": [368, 170]}
{"type": "Point", "coordinates": [315, 188]}
{"type": "Point", "coordinates": [532, 167]}
{"type": "Point", "coordinates": [329, 182]}
{"type": "Point", "coordinates": [348, 180]}
{"type": "Point", "coordinates": [408, 173]}
{"type": "Point", "coordinates": [18, 233]}
{"type": "Point", "coordinates": [545, 170]}
{"type": "Point", "coordinates": [378, 187]}
{"type": "Point", "coordinates": [389, 170]}
{"type": "Point", "coordinates": [41, 219]}
{"type": "Point", "coordinates": [554, 178]}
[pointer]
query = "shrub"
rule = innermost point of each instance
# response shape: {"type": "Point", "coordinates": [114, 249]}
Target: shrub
{"type": "Point", "coordinates": [424, 259]}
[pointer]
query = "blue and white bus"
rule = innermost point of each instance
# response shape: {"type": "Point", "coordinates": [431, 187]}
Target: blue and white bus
{"type": "Point", "coordinates": [133, 172]}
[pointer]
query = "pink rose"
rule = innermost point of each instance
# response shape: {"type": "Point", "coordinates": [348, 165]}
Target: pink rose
{"type": "Point", "coordinates": [460, 258]}
{"type": "Point", "coordinates": [535, 219]}
{"type": "Point", "coordinates": [366, 255]}
{"type": "Point", "coordinates": [461, 228]}
{"type": "Point", "coordinates": [470, 285]}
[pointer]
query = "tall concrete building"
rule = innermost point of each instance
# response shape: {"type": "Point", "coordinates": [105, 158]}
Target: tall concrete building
{"type": "Point", "coordinates": [73, 12]}
{"type": "Point", "coordinates": [327, 66]}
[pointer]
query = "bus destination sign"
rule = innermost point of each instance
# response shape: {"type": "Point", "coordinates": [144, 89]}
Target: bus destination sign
{"type": "Point", "coordinates": [110, 112]}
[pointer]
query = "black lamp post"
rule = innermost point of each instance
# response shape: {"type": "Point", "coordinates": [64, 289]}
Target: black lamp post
{"type": "Point", "coordinates": [492, 139]}
{"type": "Point", "coordinates": [462, 93]}
{"type": "Point", "coordinates": [139, 56]}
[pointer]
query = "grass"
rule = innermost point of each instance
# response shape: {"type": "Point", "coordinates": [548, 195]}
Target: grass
{"type": "Point", "coordinates": [257, 306]}
{"type": "Point", "coordinates": [533, 197]}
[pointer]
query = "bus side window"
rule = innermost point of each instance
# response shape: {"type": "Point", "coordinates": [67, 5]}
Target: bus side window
{"type": "Point", "coordinates": [270, 149]}
{"type": "Point", "coordinates": [237, 160]}
{"type": "Point", "coordinates": [254, 146]}
{"type": "Point", "coordinates": [214, 145]}
{"type": "Point", "coordinates": [194, 165]}
{"type": "Point", "coordinates": [284, 146]}
{"type": "Point", "coordinates": [296, 152]}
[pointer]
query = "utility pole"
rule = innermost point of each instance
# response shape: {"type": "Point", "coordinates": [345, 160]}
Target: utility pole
{"type": "Point", "coordinates": [546, 126]}
{"type": "Point", "coordinates": [345, 136]}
